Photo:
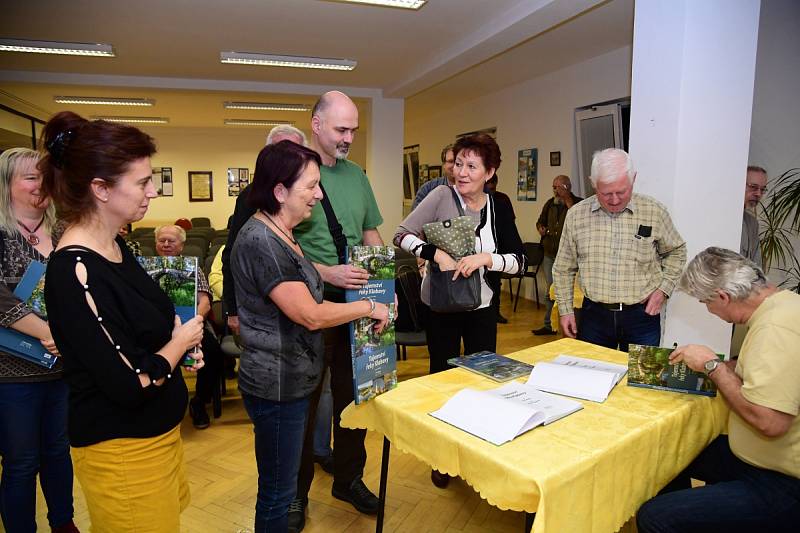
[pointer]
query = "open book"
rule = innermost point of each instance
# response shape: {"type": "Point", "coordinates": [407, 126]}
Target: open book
{"type": "Point", "coordinates": [499, 415]}
{"type": "Point", "coordinates": [578, 377]}
{"type": "Point", "coordinates": [648, 367]}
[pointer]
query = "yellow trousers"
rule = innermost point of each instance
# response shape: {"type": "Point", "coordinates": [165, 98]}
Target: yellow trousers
{"type": "Point", "coordinates": [134, 485]}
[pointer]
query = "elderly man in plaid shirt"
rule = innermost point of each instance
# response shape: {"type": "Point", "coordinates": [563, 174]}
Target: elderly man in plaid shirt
{"type": "Point", "coordinates": [627, 254]}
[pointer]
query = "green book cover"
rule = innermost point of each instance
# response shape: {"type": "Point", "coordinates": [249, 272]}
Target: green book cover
{"type": "Point", "coordinates": [648, 366]}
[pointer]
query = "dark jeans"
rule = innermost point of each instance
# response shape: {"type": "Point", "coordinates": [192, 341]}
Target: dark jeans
{"type": "Point", "coordinates": [279, 428]}
{"type": "Point", "coordinates": [349, 453]}
{"type": "Point", "coordinates": [33, 439]}
{"type": "Point", "coordinates": [738, 497]}
{"type": "Point", "coordinates": [617, 329]}
{"type": "Point", "coordinates": [445, 331]}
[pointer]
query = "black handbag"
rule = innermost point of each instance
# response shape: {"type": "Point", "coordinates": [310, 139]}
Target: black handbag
{"type": "Point", "coordinates": [449, 296]}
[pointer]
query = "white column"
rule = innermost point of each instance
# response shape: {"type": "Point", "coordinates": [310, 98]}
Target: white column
{"type": "Point", "coordinates": [385, 160]}
{"type": "Point", "coordinates": [691, 105]}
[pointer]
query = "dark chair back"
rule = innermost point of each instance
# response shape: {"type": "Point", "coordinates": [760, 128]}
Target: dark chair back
{"type": "Point", "coordinates": [201, 222]}
{"type": "Point", "coordinates": [409, 316]}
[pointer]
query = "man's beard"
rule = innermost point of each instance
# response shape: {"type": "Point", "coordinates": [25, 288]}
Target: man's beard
{"type": "Point", "coordinates": [557, 200]}
{"type": "Point", "coordinates": [342, 151]}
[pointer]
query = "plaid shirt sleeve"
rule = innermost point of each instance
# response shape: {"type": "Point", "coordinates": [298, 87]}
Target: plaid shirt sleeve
{"type": "Point", "coordinates": [672, 251]}
{"type": "Point", "coordinates": [565, 266]}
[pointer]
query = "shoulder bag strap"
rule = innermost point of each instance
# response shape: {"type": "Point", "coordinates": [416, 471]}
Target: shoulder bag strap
{"type": "Point", "coordinates": [457, 201]}
{"type": "Point", "coordinates": [339, 240]}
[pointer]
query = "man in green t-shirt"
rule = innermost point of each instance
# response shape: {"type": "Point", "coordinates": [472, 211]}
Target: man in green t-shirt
{"type": "Point", "coordinates": [334, 122]}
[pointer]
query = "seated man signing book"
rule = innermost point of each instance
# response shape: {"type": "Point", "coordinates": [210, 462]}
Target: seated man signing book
{"type": "Point", "coordinates": [752, 474]}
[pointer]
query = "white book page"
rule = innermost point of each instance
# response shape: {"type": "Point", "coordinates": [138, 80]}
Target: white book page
{"type": "Point", "coordinates": [553, 407]}
{"type": "Point", "coordinates": [593, 364]}
{"type": "Point", "coordinates": [573, 381]}
{"type": "Point", "coordinates": [488, 416]}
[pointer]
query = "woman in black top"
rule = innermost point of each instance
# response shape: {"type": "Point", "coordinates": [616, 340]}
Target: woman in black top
{"type": "Point", "coordinates": [33, 398]}
{"type": "Point", "coordinates": [116, 330]}
{"type": "Point", "coordinates": [281, 315]}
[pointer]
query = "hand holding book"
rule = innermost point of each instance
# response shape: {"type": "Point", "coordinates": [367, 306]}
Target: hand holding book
{"type": "Point", "coordinates": [694, 356]}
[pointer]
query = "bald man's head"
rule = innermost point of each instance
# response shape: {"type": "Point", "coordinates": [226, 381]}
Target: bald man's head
{"type": "Point", "coordinates": [334, 121]}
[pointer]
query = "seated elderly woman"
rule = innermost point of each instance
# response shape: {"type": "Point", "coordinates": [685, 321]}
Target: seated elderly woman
{"type": "Point", "coordinates": [170, 240]}
{"type": "Point", "coordinates": [281, 317]}
{"type": "Point", "coordinates": [498, 248]}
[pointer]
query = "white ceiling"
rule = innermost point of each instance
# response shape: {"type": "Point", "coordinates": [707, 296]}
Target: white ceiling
{"type": "Point", "coordinates": [169, 50]}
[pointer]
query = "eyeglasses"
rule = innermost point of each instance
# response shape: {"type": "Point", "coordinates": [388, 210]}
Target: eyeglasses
{"type": "Point", "coordinates": [752, 187]}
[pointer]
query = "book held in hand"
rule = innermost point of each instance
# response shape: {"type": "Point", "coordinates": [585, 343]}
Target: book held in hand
{"type": "Point", "coordinates": [648, 367]}
{"type": "Point", "coordinates": [374, 355]}
{"type": "Point", "coordinates": [177, 277]}
{"type": "Point", "coordinates": [579, 377]}
{"type": "Point", "coordinates": [30, 290]}
{"type": "Point", "coordinates": [502, 414]}
{"type": "Point", "coordinates": [493, 366]}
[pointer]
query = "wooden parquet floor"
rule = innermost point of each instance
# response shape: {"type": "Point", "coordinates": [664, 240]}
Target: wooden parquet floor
{"type": "Point", "coordinates": [223, 478]}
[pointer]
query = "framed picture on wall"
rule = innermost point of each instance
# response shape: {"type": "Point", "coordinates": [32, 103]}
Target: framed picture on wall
{"type": "Point", "coordinates": [434, 172]}
{"type": "Point", "coordinates": [200, 186]}
{"type": "Point", "coordinates": [238, 179]}
{"type": "Point", "coordinates": [162, 180]}
{"type": "Point", "coordinates": [555, 159]}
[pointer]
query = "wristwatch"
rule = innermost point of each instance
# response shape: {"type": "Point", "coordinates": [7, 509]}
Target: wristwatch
{"type": "Point", "coordinates": [710, 366]}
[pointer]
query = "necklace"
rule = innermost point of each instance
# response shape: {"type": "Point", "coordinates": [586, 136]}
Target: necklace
{"type": "Point", "coordinates": [279, 228]}
{"type": "Point", "coordinates": [32, 238]}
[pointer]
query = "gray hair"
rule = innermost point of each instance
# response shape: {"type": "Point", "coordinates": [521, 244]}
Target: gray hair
{"type": "Point", "coordinates": [718, 269]}
{"type": "Point", "coordinates": [286, 130]}
{"type": "Point", "coordinates": [9, 161]}
{"type": "Point", "coordinates": [179, 230]}
{"type": "Point", "coordinates": [608, 164]}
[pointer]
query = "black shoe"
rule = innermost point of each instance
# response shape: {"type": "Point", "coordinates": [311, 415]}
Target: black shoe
{"type": "Point", "coordinates": [440, 479]}
{"type": "Point", "coordinates": [544, 330]}
{"type": "Point", "coordinates": [297, 516]}
{"type": "Point", "coordinates": [325, 461]}
{"type": "Point", "coordinates": [197, 410]}
{"type": "Point", "coordinates": [501, 319]}
{"type": "Point", "coordinates": [358, 495]}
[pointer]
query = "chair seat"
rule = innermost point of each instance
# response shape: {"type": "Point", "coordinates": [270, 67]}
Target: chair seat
{"type": "Point", "coordinates": [410, 338]}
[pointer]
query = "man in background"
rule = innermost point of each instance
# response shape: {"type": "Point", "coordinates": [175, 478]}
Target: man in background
{"type": "Point", "coordinates": [756, 188]}
{"type": "Point", "coordinates": [549, 225]}
{"type": "Point", "coordinates": [448, 178]}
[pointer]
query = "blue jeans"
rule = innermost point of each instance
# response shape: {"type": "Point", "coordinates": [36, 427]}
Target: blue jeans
{"type": "Point", "coordinates": [617, 329]}
{"type": "Point", "coordinates": [324, 419]}
{"type": "Point", "coordinates": [33, 439]}
{"type": "Point", "coordinates": [279, 428]}
{"type": "Point", "coordinates": [737, 497]}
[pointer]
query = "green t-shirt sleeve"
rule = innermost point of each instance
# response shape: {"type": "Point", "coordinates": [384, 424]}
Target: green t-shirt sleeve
{"type": "Point", "coordinates": [372, 218]}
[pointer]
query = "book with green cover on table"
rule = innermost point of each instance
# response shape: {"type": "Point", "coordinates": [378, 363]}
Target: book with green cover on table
{"type": "Point", "coordinates": [648, 367]}
{"type": "Point", "coordinates": [493, 366]}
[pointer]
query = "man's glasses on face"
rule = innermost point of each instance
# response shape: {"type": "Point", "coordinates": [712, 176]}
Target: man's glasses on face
{"type": "Point", "coordinates": [752, 187]}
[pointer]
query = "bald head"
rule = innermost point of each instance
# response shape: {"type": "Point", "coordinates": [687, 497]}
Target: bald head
{"type": "Point", "coordinates": [334, 121]}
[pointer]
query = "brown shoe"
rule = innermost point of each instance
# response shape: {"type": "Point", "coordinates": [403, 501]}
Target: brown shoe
{"type": "Point", "coordinates": [439, 479]}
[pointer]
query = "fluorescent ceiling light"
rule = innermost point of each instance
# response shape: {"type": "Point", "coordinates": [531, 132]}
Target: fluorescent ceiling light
{"type": "Point", "coordinates": [101, 100]}
{"type": "Point", "coordinates": [54, 47]}
{"type": "Point", "coordinates": [403, 4]}
{"type": "Point", "coordinates": [246, 58]}
{"type": "Point", "coordinates": [263, 106]}
{"type": "Point", "coordinates": [255, 122]}
{"type": "Point", "coordinates": [134, 120]}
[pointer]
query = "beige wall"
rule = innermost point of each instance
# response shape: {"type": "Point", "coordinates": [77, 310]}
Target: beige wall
{"type": "Point", "coordinates": [213, 149]}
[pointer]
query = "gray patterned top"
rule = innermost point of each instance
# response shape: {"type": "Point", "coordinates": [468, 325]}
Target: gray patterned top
{"type": "Point", "coordinates": [281, 360]}
{"type": "Point", "coordinates": [17, 254]}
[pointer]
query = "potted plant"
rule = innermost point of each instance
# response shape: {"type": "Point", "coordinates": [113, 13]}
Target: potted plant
{"type": "Point", "coordinates": [780, 220]}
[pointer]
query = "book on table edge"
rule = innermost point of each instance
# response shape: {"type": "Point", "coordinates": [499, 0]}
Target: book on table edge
{"type": "Point", "coordinates": [374, 356]}
{"type": "Point", "coordinates": [493, 366]}
{"type": "Point", "coordinates": [648, 367]}
{"type": "Point", "coordinates": [30, 289]}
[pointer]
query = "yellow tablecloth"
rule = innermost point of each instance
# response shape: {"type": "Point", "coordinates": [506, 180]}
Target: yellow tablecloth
{"type": "Point", "coordinates": [587, 472]}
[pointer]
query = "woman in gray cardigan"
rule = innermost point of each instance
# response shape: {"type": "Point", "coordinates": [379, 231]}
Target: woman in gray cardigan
{"type": "Point", "coordinates": [498, 248]}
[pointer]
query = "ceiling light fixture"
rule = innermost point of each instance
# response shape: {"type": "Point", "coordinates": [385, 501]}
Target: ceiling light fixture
{"type": "Point", "coordinates": [55, 47]}
{"type": "Point", "coordinates": [247, 58]}
{"type": "Point", "coordinates": [403, 4]}
{"type": "Point", "coordinates": [256, 122]}
{"type": "Point", "coordinates": [134, 120]}
{"type": "Point", "coordinates": [263, 106]}
{"type": "Point", "coordinates": [101, 100]}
